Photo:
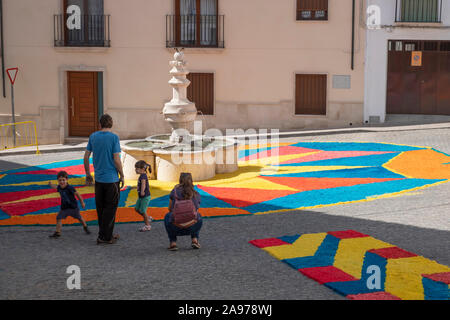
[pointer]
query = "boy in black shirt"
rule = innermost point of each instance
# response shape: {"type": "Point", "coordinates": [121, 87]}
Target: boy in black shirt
{"type": "Point", "coordinates": [69, 205]}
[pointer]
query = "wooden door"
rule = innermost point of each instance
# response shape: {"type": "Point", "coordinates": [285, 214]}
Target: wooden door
{"type": "Point", "coordinates": [82, 103]}
{"type": "Point", "coordinates": [421, 89]}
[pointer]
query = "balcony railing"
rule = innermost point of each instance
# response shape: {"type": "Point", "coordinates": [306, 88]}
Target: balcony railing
{"type": "Point", "coordinates": [94, 31]}
{"type": "Point", "coordinates": [418, 11]}
{"type": "Point", "coordinates": [195, 31]}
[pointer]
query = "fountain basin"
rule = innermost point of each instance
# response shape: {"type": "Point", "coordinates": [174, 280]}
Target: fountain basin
{"type": "Point", "coordinates": [227, 155]}
{"type": "Point", "coordinates": [139, 150]}
{"type": "Point", "coordinates": [170, 163]}
{"type": "Point", "coordinates": [202, 156]}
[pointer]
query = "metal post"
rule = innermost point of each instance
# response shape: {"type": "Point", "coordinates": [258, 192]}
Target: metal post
{"type": "Point", "coordinates": [353, 37]}
{"type": "Point", "coordinates": [2, 49]}
{"type": "Point", "coordinates": [13, 114]}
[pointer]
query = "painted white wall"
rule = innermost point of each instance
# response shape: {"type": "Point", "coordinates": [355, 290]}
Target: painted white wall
{"type": "Point", "coordinates": [376, 53]}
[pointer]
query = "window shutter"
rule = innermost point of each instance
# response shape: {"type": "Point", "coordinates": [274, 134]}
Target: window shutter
{"type": "Point", "coordinates": [312, 9]}
{"type": "Point", "coordinates": [201, 91]}
{"type": "Point", "coordinates": [311, 94]}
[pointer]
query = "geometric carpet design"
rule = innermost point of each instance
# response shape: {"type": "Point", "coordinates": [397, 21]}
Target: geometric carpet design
{"type": "Point", "coordinates": [361, 267]}
{"type": "Point", "coordinates": [271, 178]}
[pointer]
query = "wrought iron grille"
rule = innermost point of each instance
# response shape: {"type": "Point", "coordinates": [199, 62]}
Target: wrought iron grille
{"type": "Point", "coordinates": [195, 31]}
{"type": "Point", "coordinates": [94, 31]}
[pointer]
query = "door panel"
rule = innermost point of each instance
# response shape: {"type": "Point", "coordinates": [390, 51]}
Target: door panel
{"type": "Point", "coordinates": [83, 103]}
{"type": "Point", "coordinates": [421, 89]}
{"type": "Point", "coordinates": [443, 84]}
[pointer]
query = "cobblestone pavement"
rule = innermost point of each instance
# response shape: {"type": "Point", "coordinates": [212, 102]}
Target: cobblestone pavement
{"type": "Point", "coordinates": [32, 266]}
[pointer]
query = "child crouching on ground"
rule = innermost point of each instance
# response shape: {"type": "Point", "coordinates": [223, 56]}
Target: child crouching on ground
{"type": "Point", "coordinates": [69, 205]}
{"type": "Point", "coordinates": [143, 190]}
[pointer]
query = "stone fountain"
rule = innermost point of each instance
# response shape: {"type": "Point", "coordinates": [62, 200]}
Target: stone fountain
{"type": "Point", "coordinates": [180, 113]}
{"type": "Point", "coordinates": [181, 151]}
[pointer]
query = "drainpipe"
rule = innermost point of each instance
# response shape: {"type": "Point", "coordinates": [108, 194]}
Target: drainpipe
{"type": "Point", "coordinates": [2, 51]}
{"type": "Point", "coordinates": [353, 36]}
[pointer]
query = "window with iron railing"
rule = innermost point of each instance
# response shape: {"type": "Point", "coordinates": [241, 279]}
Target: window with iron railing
{"type": "Point", "coordinates": [419, 11]}
{"type": "Point", "coordinates": [82, 24]}
{"type": "Point", "coordinates": [196, 23]}
{"type": "Point", "coordinates": [312, 9]}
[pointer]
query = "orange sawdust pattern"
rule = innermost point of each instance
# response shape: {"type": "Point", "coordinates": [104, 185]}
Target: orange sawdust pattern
{"type": "Point", "coordinates": [122, 215]}
{"type": "Point", "coordinates": [432, 164]}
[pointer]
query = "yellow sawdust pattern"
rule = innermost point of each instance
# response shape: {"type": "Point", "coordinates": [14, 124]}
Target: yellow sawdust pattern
{"type": "Point", "coordinates": [350, 253]}
{"type": "Point", "coordinates": [305, 246]}
{"type": "Point", "coordinates": [404, 276]}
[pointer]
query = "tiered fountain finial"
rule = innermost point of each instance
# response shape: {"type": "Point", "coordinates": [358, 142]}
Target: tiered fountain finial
{"type": "Point", "coordinates": [179, 112]}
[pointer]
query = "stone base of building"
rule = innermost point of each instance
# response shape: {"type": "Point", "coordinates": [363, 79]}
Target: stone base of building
{"type": "Point", "coordinates": [134, 123]}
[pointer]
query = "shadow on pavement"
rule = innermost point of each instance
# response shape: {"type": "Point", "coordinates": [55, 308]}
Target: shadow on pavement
{"type": "Point", "coordinates": [227, 267]}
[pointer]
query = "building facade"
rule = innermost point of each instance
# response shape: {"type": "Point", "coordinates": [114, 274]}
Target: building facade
{"type": "Point", "coordinates": [291, 64]}
{"type": "Point", "coordinates": [407, 68]}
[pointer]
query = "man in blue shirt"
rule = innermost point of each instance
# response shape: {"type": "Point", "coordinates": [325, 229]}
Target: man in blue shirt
{"type": "Point", "coordinates": [109, 178]}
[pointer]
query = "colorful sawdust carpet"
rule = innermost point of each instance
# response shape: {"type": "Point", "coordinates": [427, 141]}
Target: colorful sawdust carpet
{"type": "Point", "coordinates": [271, 178]}
{"type": "Point", "coordinates": [361, 267]}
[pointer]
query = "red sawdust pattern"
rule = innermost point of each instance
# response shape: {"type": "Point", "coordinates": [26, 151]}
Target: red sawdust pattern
{"type": "Point", "coordinates": [243, 197]}
{"type": "Point", "coordinates": [327, 155]}
{"type": "Point", "coordinates": [373, 296]}
{"type": "Point", "coordinates": [71, 170]}
{"type": "Point", "coordinates": [393, 253]}
{"type": "Point", "coordinates": [281, 151]}
{"type": "Point", "coordinates": [17, 195]}
{"type": "Point", "coordinates": [20, 208]}
{"type": "Point", "coordinates": [327, 274]}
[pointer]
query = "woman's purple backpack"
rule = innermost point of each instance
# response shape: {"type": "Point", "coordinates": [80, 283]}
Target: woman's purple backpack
{"type": "Point", "coordinates": [184, 212]}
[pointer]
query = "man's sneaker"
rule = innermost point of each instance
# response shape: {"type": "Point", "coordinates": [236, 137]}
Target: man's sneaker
{"type": "Point", "coordinates": [55, 235]}
{"type": "Point", "coordinates": [86, 230]}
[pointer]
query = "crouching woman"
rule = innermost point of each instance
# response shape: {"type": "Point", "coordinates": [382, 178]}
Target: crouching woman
{"type": "Point", "coordinates": [183, 218]}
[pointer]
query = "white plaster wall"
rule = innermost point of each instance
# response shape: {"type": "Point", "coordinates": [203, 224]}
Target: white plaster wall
{"type": "Point", "coordinates": [376, 52]}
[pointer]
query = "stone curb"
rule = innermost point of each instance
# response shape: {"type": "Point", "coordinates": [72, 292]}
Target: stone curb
{"type": "Point", "coordinates": [287, 134]}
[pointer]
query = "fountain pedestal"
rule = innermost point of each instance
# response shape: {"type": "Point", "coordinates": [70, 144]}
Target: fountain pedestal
{"type": "Point", "coordinates": [180, 113]}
